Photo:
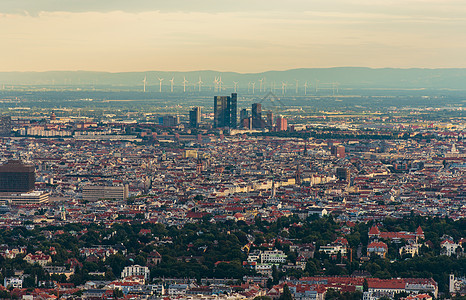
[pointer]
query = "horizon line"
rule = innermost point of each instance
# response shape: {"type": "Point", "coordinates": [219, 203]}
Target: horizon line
{"type": "Point", "coordinates": [247, 73]}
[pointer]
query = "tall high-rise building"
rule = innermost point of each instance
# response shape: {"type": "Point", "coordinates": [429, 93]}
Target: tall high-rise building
{"type": "Point", "coordinates": [256, 115]}
{"type": "Point", "coordinates": [243, 114]}
{"type": "Point", "coordinates": [269, 119]}
{"type": "Point", "coordinates": [195, 117]}
{"type": "Point", "coordinates": [338, 151]}
{"type": "Point", "coordinates": [17, 177]}
{"type": "Point", "coordinates": [226, 111]}
{"type": "Point", "coordinates": [281, 124]}
{"type": "Point", "coordinates": [221, 111]}
{"type": "Point", "coordinates": [5, 126]}
{"type": "Point", "coordinates": [234, 111]}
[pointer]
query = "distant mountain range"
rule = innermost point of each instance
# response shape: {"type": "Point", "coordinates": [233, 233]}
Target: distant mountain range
{"type": "Point", "coordinates": [345, 77]}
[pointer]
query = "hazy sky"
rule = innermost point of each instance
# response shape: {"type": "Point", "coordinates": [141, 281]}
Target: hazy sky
{"type": "Point", "coordinates": [230, 35]}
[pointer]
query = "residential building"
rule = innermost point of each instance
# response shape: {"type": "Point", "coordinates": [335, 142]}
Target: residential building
{"type": "Point", "coordinates": [135, 270]}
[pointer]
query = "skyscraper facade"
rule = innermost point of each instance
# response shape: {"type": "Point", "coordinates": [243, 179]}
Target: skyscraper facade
{"type": "Point", "coordinates": [195, 117]}
{"type": "Point", "coordinates": [234, 111]}
{"type": "Point", "coordinates": [256, 115]}
{"type": "Point", "coordinates": [281, 124]}
{"type": "Point", "coordinates": [17, 177]}
{"type": "Point", "coordinates": [226, 111]}
{"type": "Point", "coordinates": [338, 151]}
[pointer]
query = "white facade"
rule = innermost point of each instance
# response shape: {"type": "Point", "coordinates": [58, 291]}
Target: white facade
{"type": "Point", "coordinates": [13, 282]}
{"type": "Point", "coordinates": [135, 270]}
{"type": "Point", "coordinates": [273, 257]}
{"type": "Point", "coordinates": [95, 192]}
{"type": "Point", "coordinates": [449, 248]}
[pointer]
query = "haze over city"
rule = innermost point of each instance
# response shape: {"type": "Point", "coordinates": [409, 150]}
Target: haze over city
{"type": "Point", "coordinates": [241, 36]}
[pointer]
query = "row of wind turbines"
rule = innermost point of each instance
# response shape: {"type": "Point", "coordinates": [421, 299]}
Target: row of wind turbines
{"type": "Point", "coordinates": [218, 85]}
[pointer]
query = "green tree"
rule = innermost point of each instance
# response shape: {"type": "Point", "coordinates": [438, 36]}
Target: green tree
{"type": "Point", "coordinates": [286, 295]}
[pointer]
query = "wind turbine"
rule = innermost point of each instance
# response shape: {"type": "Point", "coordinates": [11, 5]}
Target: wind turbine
{"type": "Point", "coordinates": [297, 81]}
{"type": "Point", "coordinates": [260, 86]}
{"type": "Point", "coordinates": [284, 84]}
{"type": "Point", "coordinates": [160, 83]}
{"type": "Point", "coordinates": [220, 83]}
{"type": "Point", "coordinates": [172, 82]}
{"type": "Point", "coordinates": [305, 88]}
{"type": "Point", "coordinates": [145, 81]}
{"type": "Point", "coordinates": [184, 84]}
{"type": "Point", "coordinates": [236, 84]}
{"type": "Point", "coordinates": [215, 84]}
{"type": "Point", "coordinates": [200, 83]}
{"type": "Point", "coordinates": [253, 86]}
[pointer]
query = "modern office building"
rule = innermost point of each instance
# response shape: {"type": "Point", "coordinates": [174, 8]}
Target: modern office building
{"type": "Point", "coordinates": [34, 197]}
{"type": "Point", "coordinates": [256, 115]}
{"type": "Point", "coordinates": [343, 174]}
{"type": "Point", "coordinates": [269, 119]}
{"type": "Point", "coordinates": [281, 124]}
{"type": "Point", "coordinates": [226, 111]}
{"type": "Point", "coordinates": [234, 111]}
{"type": "Point", "coordinates": [17, 177]}
{"type": "Point", "coordinates": [338, 151]}
{"type": "Point", "coordinates": [195, 117]}
{"type": "Point", "coordinates": [96, 192]}
{"type": "Point", "coordinates": [169, 121]}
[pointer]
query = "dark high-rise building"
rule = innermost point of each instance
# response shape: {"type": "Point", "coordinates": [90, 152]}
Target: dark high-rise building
{"type": "Point", "coordinates": [256, 115]}
{"type": "Point", "coordinates": [5, 126]}
{"type": "Point", "coordinates": [17, 177]}
{"type": "Point", "coordinates": [243, 114]}
{"type": "Point", "coordinates": [221, 111]}
{"type": "Point", "coordinates": [226, 111]}
{"type": "Point", "coordinates": [195, 117]}
{"type": "Point", "coordinates": [270, 119]}
{"type": "Point", "coordinates": [343, 174]}
{"type": "Point", "coordinates": [234, 111]}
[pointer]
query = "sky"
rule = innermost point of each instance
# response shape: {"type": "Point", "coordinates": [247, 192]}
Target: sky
{"type": "Point", "coordinates": [230, 35]}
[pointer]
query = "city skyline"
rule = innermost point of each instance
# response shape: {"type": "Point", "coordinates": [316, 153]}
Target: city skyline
{"type": "Point", "coordinates": [118, 36]}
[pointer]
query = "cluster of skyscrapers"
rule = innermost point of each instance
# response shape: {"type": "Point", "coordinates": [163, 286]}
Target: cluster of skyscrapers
{"type": "Point", "coordinates": [225, 115]}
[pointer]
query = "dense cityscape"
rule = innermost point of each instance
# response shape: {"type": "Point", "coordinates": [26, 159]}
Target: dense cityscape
{"type": "Point", "coordinates": [234, 197]}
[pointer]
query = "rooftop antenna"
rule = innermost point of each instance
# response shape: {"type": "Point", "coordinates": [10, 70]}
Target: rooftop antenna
{"type": "Point", "coordinates": [172, 82]}
{"type": "Point", "coordinates": [145, 81]}
{"type": "Point", "coordinates": [200, 83]}
{"type": "Point", "coordinates": [297, 81]}
{"type": "Point", "coordinates": [160, 82]}
{"type": "Point", "coordinates": [236, 84]}
{"type": "Point", "coordinates": [184, 84]}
